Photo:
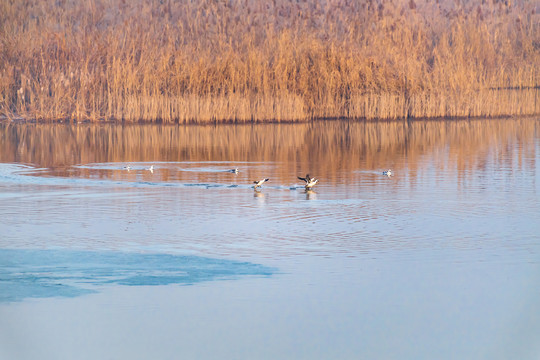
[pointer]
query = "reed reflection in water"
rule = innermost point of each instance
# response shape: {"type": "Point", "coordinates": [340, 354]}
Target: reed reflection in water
{"type": "Point", "coordinates": [326, 147]}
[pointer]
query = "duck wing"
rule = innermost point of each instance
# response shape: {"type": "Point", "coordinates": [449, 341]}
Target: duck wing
{"type": "Point", "coordinates": [259, 182]}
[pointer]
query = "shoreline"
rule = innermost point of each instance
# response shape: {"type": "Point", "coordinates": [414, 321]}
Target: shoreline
{"type": "Point", "coordinates": [19, 120]}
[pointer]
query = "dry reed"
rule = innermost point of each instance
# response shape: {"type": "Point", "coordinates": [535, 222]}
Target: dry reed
{"type": "Point", "coordinates": [247, 60]}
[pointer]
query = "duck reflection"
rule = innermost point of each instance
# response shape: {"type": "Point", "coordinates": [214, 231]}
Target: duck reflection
{"type": "Point", "coordinates": [260, 198]}
{"type": "Point", "coordinates": [310, 194]}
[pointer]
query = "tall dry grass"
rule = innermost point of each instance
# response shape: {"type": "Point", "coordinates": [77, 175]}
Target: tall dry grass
{"type": "Point", "coordinates": [243, 60]}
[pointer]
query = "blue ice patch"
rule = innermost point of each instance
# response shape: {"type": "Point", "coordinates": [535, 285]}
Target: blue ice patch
{"type": "Point", "coordinates": [67, 273]}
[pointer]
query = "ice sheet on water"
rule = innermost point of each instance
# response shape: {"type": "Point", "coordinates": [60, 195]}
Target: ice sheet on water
{"type": "Point", "coordinates": [67, 273]}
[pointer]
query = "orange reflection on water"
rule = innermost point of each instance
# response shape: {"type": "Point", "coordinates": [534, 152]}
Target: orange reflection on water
{"type": "Point", "coordinates": [328, 148]}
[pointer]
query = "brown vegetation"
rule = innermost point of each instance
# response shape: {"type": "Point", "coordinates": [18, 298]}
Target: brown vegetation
{"type": "Point", "coordinates": [242, 60]}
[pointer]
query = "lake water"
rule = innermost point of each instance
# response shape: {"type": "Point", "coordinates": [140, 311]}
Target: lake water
{"type": "Point", "coordinates": [439, 261]}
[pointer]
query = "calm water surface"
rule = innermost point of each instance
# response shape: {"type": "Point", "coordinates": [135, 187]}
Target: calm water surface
{"type": "Point", "coordinates": [441, 260]}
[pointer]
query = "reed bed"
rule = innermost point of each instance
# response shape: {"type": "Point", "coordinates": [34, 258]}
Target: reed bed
{"type": "Point", "coordinates": [203, 61]}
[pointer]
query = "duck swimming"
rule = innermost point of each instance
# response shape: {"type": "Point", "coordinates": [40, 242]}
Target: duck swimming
{"type": "Point", "coordinates": [310, 182]}
{"type": "Point", "coordinates": [387, 173]}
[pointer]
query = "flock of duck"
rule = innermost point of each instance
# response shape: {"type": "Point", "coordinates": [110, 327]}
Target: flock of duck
{"type": "Point", "coordinates": [309, 181]}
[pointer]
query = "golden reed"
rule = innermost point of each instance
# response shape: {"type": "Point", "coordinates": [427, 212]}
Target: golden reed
{"type": "Point", "coordinates": [255, 60]}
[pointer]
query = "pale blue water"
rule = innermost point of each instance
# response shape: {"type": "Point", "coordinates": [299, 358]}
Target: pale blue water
{"type": "Point", "coordinates": [440, 261]}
